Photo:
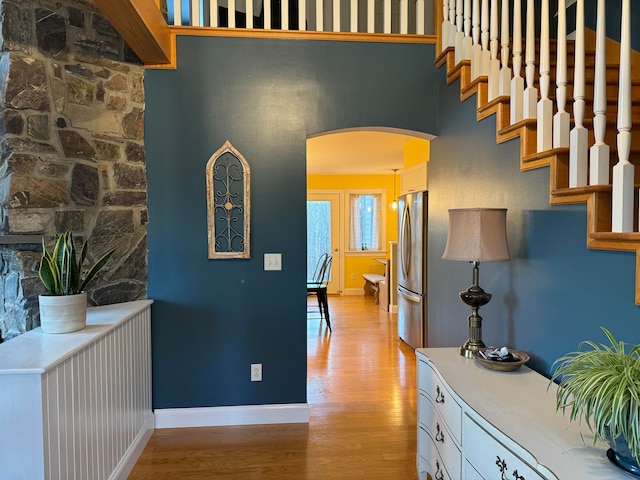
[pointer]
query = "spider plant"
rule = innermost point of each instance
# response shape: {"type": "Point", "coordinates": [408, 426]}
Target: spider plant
{"type": "Point", "coordinates": [601, 384]}
{"type": "Point", "coordinates": [61, 272]}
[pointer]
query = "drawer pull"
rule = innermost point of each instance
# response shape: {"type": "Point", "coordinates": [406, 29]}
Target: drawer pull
{"type": "Point", "coordinates": [516, 476]}
{"type": "Point", "coordinates": [438, 475]}
{"type": "Point", "coordinates": [439, 434]}
{"type": "Point", "coordinates": [502, 466]}
{"type": "Point", "coordinates": [439, 395]}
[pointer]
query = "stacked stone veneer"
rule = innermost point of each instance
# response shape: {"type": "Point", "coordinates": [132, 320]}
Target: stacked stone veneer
{"type": "Point", "coordinates": [71, 151]}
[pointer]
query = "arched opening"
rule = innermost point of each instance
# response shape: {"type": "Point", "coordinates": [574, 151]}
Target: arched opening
{"type": "Point", "coordinates": [348, 162]}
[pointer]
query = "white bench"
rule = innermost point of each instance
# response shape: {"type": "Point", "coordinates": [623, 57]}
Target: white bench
{"type": "Point", "coordinates": [371, 285]}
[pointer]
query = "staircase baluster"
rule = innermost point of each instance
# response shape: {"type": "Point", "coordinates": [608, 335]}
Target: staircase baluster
{"type": "Point", "coordinates": [623, 171]}
{"type": "Point", "coordinates": [459, 43]}
{"type": "Point", "coordinates": [517, 82]}
{"type": "Point", "coordinates": [231, 15]}
{"type": "Point", "coordinates": [484, 38]}
{"type": "Point", "coordinates": [249, 15]}
{"type": "Point", "coordinates": [494, 63]}
{"type": "Point", "coordinates": [600, 151]}
{"type": "Point", "coordinates": [452, 22]}
{"type": "Point", "coordinates": [531, 92]}
{"type": "Point", "coordinates": [195, 13]}
{"type": "Point", "coordinates": [371, 15]}
{"type": "Point", "coordinates": [466, 42]}
{"type": "Point", "coordinates": [578, 142]}
{"type": "Point", "coordinates": [420, 18]}
{"type": "Point", "coordinates": [561, 118]}
{"type": "Point", "coordinates": [505, 70]}
{"type": "Point", "coordinates": [353, 20]}
{"type": "Point", "coordinates": [177, 12]}
{"type": "Point", "coordinates": [404, 16]}
{"type": "Point", "coordinates": [336, 14]}
{"type": "Point", "coordinates": [266, 7]}
{"type": "Point", "coordinates": [446, 26]}
{"type": "Point", "coordinates": [386, 16]}
{"type": "Point", "coordinates": [545, 106]}
{"type": "Point", "coordinates": [476, 49]}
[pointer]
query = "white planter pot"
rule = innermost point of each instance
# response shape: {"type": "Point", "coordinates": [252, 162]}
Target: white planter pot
{"type": "Point", "coordinates": [63, 313]}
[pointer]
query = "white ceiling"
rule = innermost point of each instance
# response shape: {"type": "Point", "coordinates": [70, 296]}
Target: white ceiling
{"type": "Point", "coordinates": [370, 151]}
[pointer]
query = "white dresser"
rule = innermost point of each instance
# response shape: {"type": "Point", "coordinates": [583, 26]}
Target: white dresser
{"type": "Point", "coordinates": [476, 424]}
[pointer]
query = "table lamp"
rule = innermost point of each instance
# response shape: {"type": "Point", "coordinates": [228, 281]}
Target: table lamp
{"type": "Point", "coordinates": [476, 235]}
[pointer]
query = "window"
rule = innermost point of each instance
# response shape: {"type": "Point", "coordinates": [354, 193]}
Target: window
{"type": "Point", "coordinates": [365, 221]}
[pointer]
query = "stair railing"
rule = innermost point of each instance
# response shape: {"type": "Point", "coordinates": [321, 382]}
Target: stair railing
{"type": "Point", "coordinates": [585, 166]}
{"type": "Point", "coordinates": [394, 16]}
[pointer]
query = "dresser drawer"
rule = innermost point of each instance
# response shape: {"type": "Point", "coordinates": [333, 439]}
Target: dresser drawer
{"type": "Point", "coordinates": [433, 387]}
{"type": "Point", "coordinates": [430, 463]}
{"type": "Point", "coordinates": [491, 458]}
{"type": "Point", "coordinates": [432, 422]}
{"type": "Point", "coordinates": [471, 473]}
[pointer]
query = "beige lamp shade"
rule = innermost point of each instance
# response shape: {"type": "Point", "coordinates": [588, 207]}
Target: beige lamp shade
{"type": "Point", "coordinates": [477, 235]}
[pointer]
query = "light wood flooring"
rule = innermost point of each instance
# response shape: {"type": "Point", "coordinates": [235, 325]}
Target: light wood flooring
{"type": "Point", "coordinates": [361, 391]}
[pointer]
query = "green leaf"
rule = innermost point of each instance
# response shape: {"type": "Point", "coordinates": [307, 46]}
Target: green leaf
{"type": "Point", "coordinates": [61, 270]}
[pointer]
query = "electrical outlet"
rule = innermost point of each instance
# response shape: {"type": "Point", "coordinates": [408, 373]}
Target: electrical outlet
{"type": "Point", "coordinates": [256, 372]}
{"type": "Point", "coordinates": [353, 276]}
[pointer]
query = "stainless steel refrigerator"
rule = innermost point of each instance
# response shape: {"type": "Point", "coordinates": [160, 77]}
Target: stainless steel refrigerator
{"type": "Point", "coordinates": [412, 269]}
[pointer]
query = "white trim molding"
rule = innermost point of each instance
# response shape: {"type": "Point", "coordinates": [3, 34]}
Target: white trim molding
{"type": "Point", "coordinates": [229, 416]}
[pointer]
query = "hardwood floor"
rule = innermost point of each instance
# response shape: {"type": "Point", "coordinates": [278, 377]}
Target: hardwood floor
{"type": "Point", "coordinates": [361, 392]}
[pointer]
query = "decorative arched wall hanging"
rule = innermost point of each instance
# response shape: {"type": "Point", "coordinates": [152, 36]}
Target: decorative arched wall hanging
{"type": "Point", "coordinates": [228, 203]}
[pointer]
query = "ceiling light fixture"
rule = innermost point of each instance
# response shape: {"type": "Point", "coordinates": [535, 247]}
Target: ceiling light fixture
{"type": "Point", "coordinates": [394, 204]}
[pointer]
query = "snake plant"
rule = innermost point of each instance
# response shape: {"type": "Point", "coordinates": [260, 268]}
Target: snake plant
{"type": "Point", "coordinates": [601, 384]}
{"type": "Point", "coordinates": [61, 271]}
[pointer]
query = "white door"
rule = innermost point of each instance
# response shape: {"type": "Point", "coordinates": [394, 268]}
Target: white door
{"type": "Point", "coordinates": [323, 235]}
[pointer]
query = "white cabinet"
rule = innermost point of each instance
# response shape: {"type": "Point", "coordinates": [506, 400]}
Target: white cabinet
{"type": "Point", "coordinates": [478, 424]}
{"type": "Point", "coordinates": [414, 179]}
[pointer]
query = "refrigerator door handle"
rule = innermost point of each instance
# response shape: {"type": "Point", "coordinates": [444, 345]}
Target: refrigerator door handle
{"type": "Point", "coordinates": [405, 260]}
{"type": "Point", "coordinates": [409, 296]}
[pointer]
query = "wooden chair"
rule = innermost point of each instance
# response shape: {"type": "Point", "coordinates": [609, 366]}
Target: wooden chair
{"type": "Point", "coordinates": [318, 286]}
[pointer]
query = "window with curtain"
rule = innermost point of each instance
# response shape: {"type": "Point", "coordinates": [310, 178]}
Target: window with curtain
{"type": "Point", "coordinates": [365, 221]}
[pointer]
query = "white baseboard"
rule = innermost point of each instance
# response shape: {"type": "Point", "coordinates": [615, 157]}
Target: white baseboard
{"type": "Point", "coordinates": [353, 291]}
{"type": "Point", "coordinates": [393, 308]}
{"type": "Point", "coordinates": [130, 457]}
{"type": "Point", "coordinates": [226, 416]}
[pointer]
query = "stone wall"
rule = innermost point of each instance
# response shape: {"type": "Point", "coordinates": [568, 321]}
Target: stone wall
{"type": "Point", "coordinates": [71, 151]}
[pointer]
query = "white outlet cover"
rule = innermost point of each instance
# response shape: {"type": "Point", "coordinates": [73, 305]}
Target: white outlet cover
{"type": "Point", "coordinates": [256, 372]}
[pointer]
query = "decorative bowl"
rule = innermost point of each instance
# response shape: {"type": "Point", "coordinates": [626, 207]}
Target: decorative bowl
{"type": "Point", "coordinates": [502, 365]}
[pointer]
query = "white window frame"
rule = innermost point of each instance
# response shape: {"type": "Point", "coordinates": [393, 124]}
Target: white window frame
{"type": "Point", "coordinates": [382, 235]}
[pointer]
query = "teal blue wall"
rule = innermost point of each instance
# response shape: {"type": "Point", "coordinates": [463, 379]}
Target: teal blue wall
{"type": "Point", "coordinates": [554, 292]}
{"type": "Point", "coordinates": [213, 318]}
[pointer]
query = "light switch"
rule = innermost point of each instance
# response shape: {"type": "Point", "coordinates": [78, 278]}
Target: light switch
{"type": "Point", "coordinates": [273, 261]}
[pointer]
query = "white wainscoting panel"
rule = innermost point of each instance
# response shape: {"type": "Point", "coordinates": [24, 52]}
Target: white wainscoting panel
{"type": "Point", "coordinates": [78, 405]}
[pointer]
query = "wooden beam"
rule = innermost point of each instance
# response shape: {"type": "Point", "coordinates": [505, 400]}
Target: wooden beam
{"type": "Point", "coordinates": [143, 27]}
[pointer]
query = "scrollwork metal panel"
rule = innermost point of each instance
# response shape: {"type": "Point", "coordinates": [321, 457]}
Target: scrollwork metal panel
{"type": "Point", "coordinates": [228, 203]}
